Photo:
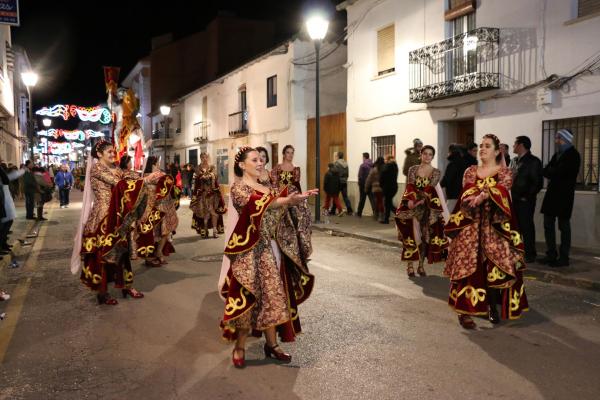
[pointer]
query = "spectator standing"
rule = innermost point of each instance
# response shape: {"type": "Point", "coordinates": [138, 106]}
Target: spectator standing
{"type": "Point", "coordinates": [64, 181]}
{"type": "Point", "coordinates": [30, 188]}
{"type": "Point", "coordinates": [527, 182]}
{"type": "Point", "coordinates": [561, 171]}
{"type": "Point", "coordinates": [470, 155]}
{"type": "Point", "coordinates": [452, 180]}
{"type": "Point", "coordinates": [389, 185]}
{"type": "Point", "coordinates": [504, 150]}
{"type": "Point", "coordinates": [186, 175]}
{"type": "Point", "coordinates": [342, 168]}
{"type": "Point", "coordinates": [10, 213]}
{"type": "Point", "coordinates": [44, 193]}
{"type": "Point", "coordinates": [373, 188]}
{"type": "Point", "coordinates": [413, 155]}
{"type": "Point", "coordinates": [332, 187]}
{"type": "Point", "coordinates": [363, 173]}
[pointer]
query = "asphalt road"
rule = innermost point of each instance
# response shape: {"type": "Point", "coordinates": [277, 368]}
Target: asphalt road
{"type": "Point", "coordinates": [369, 333]}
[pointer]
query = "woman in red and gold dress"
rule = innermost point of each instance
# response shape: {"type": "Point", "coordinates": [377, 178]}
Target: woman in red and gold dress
{"type": "Point", "coordinates": [160, 217]}
{"type": "Point", "coordinates": [265, 175]}
{"type": "Point", "coordinates": [485, 260]}
{"type": "Point", "coordinates": [207, 202]}
{"type": "Point", "coordinates": [263, 278]}
{"type": "Point", "coordinates": [111, 204]}
{"type": "Point", "coordinates": [287, 175]}
{"type": "Point", "coordinates": [420, 216]}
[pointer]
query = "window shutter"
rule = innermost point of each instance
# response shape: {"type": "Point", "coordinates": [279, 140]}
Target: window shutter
{"type": "Point", "coordinates": [587, 7]}
{"type": "Point", "coordinates": [385, 50]}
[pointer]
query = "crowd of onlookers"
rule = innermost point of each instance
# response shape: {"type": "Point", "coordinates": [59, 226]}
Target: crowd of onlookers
{"type": "Point", "coordinates": [377, 181]}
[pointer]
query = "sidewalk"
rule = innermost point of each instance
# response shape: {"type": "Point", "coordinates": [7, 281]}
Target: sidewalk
{"type": "Point", "coordinates": [584, 271]}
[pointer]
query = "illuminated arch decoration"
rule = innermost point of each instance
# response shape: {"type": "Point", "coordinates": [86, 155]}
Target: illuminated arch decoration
{"type": "Point", "coordinates": [55, 148]}
{"type": "Point", "coordinates": [66, 111]}
{"type": "Point", "coordinates": [71, 135]}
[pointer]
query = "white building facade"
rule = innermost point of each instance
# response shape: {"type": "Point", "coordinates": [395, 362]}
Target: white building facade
{"type": "Point", "coordinates": [265, 102]}
{"type": "Point", "coordinates": [450, 71]}
{"type": "Point", "coordinates": [10, 141]}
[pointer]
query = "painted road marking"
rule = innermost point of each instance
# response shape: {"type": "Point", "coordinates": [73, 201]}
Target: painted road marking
{"type": "Point", "coordinates": [322, 266]}
{"type": "Point", "coordinates": [19, 294]}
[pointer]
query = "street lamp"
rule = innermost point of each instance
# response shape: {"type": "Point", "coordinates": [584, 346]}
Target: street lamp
{"type": "Point", "coordinates": [47, 122]}
{"type": "Point", "coordinates": [317, 29]}
{"type": "Point", "coordinates": [29, 80]}
{"type": "Point", "coordinates": [165, 111]}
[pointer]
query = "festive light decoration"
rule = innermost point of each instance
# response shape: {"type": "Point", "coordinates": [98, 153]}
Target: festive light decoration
{"type": "Point", "coordinates": [71, 135]}
{"type": "Point", "coordinates": [55, 148]}
{"type": "Point", "coordinates": [92, 114]}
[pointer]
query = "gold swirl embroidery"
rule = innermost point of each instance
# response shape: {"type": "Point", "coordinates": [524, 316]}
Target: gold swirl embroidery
{"type": "Point", "coordinates": [472, 294]}
{"type": "Point", "coordinates": [126, 197]}
{"type": "Point", "coordinates": [300, 292]}
{"type": "Point", "coordinates": [421, 182]}
{"type": "Point", "coordinates": [436, 201]}
{"type": "Point", "coordinates": [495, 274]}
{"type": "Point", "coordinates": [128, 276]}
{"type": "Point", "coordinates": [456, 218]}
{"type": "Point", "coordinates": [438, 241]}
{"type": "Point", "coordinates": [515, 299]}
{"type": "Point", "coordinates": [294, 313]}
{"type": "Point", "coordinates": [238, 240]}
{"type": "Point", "coordinates": [147, 250]}
{"type": "Point", "coordinates": [236, 304]}
{"type": "Point", "coordinates": [515, 236]}
{"type": "Point", "coordinates": [469, 192]}
{"type": "Point", "coordinates": [286, 177]}
{"type": "Point", "coordinates": [96, 279]}
{"type": "Point", "coordinates": [488, 182]}
{"type": "Point", "coordinates": [408, 253]}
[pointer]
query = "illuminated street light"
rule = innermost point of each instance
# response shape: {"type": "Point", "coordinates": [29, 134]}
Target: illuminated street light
{"type": "Point", "coordinates": [47, 122]}
{"type": "Point", "coordinates": [30, 79]}
{"type": "Point", "coordinates": [165, 111]}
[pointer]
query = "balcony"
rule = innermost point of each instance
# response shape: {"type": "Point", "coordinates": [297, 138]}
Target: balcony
{"type": "Point", "coordinates": [238, 124]}
{"type": "Point", "coordinates": [201, 132]}
{"type": "Point", "coordinates": [467, 63]}
{"type": "Point", "coordinates": [158, 138]}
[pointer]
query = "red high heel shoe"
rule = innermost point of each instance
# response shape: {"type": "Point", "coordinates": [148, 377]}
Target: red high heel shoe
{"type": "Point", "coordinates": [133, 293]}
{"type": "Point", "coordinates": [276, 353]}
{"type": "Point", "coordinates": [238, 362]}
{"type": "Point", "coordinates": [106, 299]}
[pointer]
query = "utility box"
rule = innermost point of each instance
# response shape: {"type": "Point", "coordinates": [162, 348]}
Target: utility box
{"type": "Point", "coordinates": [545, 97]}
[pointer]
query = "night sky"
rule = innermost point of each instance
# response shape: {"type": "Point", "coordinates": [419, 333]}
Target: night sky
{"type": "Point", "coordinates": [68, 42]}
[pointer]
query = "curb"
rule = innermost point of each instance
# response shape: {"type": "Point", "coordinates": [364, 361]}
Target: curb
{"type": "Point", "coordinates": [541, 275]}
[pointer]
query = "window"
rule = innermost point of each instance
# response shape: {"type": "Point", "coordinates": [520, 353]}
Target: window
{"type": "Point", "coordinates": [463, 59]}
{"type": "Point", "coordinates": [272, 91]}
{"type": "Point", "coordinates": [385, 51]}
{"type": "Point", "coordinates": [382, 146]}
{"type": "Point", "coordinates": [586, 135]}
{"type": "Point", "coordinates": [587, 7]}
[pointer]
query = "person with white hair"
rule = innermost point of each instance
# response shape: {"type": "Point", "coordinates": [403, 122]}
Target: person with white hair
{"type": "Point", "coordinates": [561, 172]}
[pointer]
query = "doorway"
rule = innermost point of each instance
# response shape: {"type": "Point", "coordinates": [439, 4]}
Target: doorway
{"type": "Point", "coordinates": [460, 132]}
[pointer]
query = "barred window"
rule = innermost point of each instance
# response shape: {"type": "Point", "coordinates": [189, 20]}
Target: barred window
{"type": "Point", "coordinates": [586, 138]}
{"type": "Point", "coordinates": [382, 146]}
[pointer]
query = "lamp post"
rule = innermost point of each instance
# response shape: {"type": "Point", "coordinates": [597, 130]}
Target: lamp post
{"type": "Point", "coordinates": [165, 111]}
{"type": "Point", "coordinates": [317, 29]}
{"type": "Point", "coordinates": [29, 80]}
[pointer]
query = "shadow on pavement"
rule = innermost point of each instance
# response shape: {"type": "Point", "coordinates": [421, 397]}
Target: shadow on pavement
{"type": "Point", "coordinates": [548, 356]}
{"type": "Point", "coordinates": [149, 278]}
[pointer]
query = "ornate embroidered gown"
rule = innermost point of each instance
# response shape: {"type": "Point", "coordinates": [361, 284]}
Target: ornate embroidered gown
{"type": "Point", "coordinates": [117, 204]}
{"type": "Point", "coordinates": [300, 214]}
{"type": "Point", "coordinates": [267, 278]}
{"type": "Point", "coordinates": [160, 217]}
{"type": "Point", "coordinates": [424, 223]}
{"type": "Point", "coordinates": [486, 251]}
{"type": "Point", "coordinates": [207, 200]}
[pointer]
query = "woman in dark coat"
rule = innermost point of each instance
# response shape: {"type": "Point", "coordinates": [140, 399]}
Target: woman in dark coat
{"type": "Point", "coordinates": [561, 171]}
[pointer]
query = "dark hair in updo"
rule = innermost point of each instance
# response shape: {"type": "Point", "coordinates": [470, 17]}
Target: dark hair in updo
{"type": "Point", "coordinates": [428, 147]}
{"type": "Point", "coordinates": [124, 161]}
{"type": "Point", "coordinates": [241, 156]}
{"type": "Point", "coordinates": [152, 160]}
{"type": "Point", "coordinates": [287, 146]}
{"type": "Point", "coordinates": [261, 149]}
{"type": "Point", "coordinates": [100, 147]}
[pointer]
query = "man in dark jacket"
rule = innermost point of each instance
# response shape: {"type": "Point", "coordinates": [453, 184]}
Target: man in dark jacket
{"type": "Point", "coordinates": [453, 176]}
{"type": "Point", "coordinates": [389, 185]}
{"type": "Point", "coordinates": [527, 182]}
{"type": "Point", "coordinates": [561, 171]}
{"type": "Point", "coordinates": [30, 187]}
{"type": "Point", "coordinates": [470, 155]}
{"type": "Point", "coordinates": [341, 166]}
{"type": "Point", "coordinates": [413, 156]}
{"type": "Point", "coordinates": [363, 173]}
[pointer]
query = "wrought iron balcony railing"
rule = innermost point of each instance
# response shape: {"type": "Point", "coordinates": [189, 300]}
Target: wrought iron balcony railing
{"type": "Point", "coordinates": [238, 123]}
{"type": "Point", "coordinates": [466, 63]}
{"type": "Point", "coordinates": [201, 132]}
